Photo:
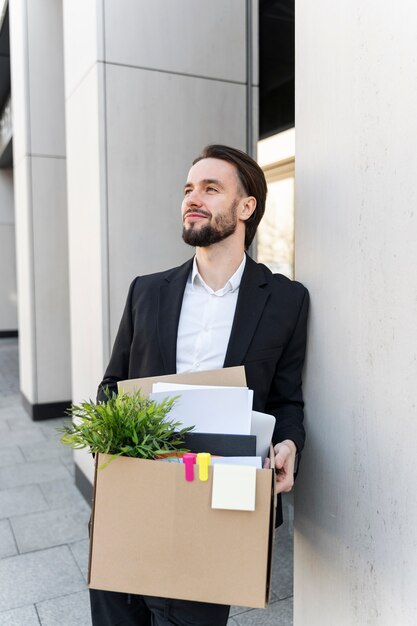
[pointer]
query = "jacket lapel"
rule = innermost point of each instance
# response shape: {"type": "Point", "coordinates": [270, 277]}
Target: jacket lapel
{"type": "Point", "coordinates": [253, 295]}
{"type": "Point", "coordinates": [171, 293]}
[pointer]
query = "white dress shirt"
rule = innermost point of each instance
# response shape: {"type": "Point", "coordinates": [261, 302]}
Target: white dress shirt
{"type": "Point", "coordinates": [206, 322]}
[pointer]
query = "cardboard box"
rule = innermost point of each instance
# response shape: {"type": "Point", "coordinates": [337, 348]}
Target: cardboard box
{"type": "Point", "coordinates": [154, 533]}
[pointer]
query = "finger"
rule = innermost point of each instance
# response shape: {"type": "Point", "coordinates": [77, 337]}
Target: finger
{"type": "Point", "coordinates": [281, 457]}
{"type": "Point", "coordinates": [287, 469]}
{"type": "Point", "coordinates": [267, 463]}
{"type": "Point", "coordinates": [283, 484]}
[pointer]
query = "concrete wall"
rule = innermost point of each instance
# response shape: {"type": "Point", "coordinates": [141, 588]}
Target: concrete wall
{"type": "Point", "coordinates": [147, 86]}
{"type": "Point", "coordinates": [8, 308]}
{"type": "Point", "coordinates": [40, 199]}
{"type": "Point", "coordinates": [356, 232]}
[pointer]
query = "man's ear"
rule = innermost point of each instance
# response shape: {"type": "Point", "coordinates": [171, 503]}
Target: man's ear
{"type": "Point", "coordinates": [247, 207]}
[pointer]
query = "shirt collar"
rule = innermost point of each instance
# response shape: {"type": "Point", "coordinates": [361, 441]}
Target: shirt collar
{"type": "Point", "coordinates": [232, 284]}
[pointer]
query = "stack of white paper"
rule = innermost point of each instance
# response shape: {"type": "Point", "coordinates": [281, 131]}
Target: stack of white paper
{"type": "Point", "coordinates": [210, 409]}
{"type": "Point", "coordinates": [213, 409]}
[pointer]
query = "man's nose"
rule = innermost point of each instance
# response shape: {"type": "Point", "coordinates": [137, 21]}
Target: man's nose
{"type": "Point", "coordinates": [193, 198]}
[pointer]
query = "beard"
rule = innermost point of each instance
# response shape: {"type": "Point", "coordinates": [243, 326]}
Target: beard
{"type": "Point", "coordinates": [223, 226]}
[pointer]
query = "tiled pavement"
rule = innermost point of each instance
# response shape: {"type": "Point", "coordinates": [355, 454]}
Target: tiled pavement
{"type": "Point", "coordinates": [43, 525]}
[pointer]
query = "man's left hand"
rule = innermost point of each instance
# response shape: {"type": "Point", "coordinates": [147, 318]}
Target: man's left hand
{"type": "Point", "coordinates": [285, 453]}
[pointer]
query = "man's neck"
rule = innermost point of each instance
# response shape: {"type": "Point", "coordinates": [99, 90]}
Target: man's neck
{"type": "Point", "coordinates": [217, 264]}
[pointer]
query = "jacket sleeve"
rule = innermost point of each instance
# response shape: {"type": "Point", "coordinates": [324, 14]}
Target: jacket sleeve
{"type": "Point", "coordinates": [118, 367]}
{"type": "Point", "coordinates": [285, 399]}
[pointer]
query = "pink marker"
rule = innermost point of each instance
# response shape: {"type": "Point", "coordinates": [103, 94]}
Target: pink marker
{"type": "Point", "coordinates": [189, 460]}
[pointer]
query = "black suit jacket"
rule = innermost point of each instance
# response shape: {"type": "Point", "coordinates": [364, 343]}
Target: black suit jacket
{"type": "Point", "coordinates": [268, 337]}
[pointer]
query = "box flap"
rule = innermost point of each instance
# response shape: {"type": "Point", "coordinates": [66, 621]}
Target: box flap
{"type": "Point", "coordinates": [225, 377]}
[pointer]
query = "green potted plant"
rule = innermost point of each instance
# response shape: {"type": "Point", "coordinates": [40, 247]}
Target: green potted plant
{"type": "Point", "coordinates": [125, 425]}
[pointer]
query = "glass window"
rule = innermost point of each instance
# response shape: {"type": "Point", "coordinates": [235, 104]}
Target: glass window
{"type": "Point", "coordinates": [275, 235]}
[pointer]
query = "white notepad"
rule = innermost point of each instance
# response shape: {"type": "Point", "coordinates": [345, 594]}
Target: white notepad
{"type": "Point", "coordinates": [234, 487]}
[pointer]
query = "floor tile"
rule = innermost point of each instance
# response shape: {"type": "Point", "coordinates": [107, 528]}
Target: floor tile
{"type": "Point", "coordinates": [48, 449]}
{"type": "Point", "coordinates": [80, 551]}
{"type": "Point", "coordinates": [61, 492]}
{"type": "Point", "coordinates": [7, 542]}
{"type": "Point", "coordinates": [38, 576]}
{"type": "Point", "coordinates": [236, 610]}
{"type": "Point", "coordinates": [277, 613]}
{"type": "Point", "coordinates": [68, 459]}
{"type": "Point", "coordinates": [4, 430]}
{"type": "Point", "coordinates": [71, 469]}
{"type": "Point", "coordinates": [25, 436]}
{"type": "Point", "coordinates": [282, 564]}
{"type": "Point", "coordinates": [21, 500]}
{"type": "Point", "coordinates": [68, 610]}
{"type": "Point", "coordinates": [31, 473]}
{"type": "Point", "coordinates": [51, 528]}
{"type": "Point", "coordinates": [26, 616]}
{"type": "Point", "coordinates": [9, 409]}
{"type": "Point", "coordinates": [9, 455]}
{"type": "Point", "coordinates": [49, 427]}
{"type": "Point", "coordinates": [10, 400]}
{"type": "Point", "coordinates": [21, 422]}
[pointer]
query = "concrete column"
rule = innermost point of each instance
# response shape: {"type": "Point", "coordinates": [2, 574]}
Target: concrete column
{"type": "Point", "coordinates": [40, 202]}
{"type": "Point", "coordinates": [8, 309]}
{"type": "Point", "coordinates": [148, 84]}
{"type": "Point", "coordinates": [356, 231]}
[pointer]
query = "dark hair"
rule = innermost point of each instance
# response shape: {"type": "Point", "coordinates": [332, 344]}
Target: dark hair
{"type": "Point", "coordinates": [251, 177]}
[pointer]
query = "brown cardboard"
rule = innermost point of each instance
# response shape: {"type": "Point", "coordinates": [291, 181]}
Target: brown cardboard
{"type": "Point", "coordinates": [154, 533]}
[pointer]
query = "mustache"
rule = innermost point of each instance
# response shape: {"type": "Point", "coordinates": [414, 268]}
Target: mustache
{"type": "Point", "coordinates": [198, 212]}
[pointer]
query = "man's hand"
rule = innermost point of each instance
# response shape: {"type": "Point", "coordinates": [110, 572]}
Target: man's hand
{"type": "Point", "coordinates": [284, 465]}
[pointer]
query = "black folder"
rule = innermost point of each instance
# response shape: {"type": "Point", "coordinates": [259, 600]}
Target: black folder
{"type": "Point", "coordinates": [220, 444]}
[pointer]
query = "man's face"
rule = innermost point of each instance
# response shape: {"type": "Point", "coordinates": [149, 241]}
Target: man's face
{"type": "Point", "coordinates": [211, 198]}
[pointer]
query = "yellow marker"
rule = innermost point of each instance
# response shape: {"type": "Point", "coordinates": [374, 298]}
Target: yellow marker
{"type": "Point", "coordinates": [203, 461]}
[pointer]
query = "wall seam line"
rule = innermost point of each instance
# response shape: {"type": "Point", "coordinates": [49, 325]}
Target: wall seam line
{"type": "Point", "coordinates": [249, 77]}
{"type": "Point", "coordinates": [106, 260]}
{"type": "Point", "coordinates": [174, 73]}
{"type": "Point", "coordinates": [30, 213]}
{"type": "Point", "coordinates": [45, 156]}
{"type": "Point", "coordinates": [151, 69]}
{"type": "Point", "coordinates": [81, 80]}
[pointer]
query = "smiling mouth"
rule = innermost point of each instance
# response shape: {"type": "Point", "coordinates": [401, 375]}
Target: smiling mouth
{"type": "Point", "coordinates": [195, 215]}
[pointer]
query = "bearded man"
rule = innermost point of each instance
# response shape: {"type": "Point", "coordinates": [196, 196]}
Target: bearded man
{"type": "Point", "coordinates": [219, 309]}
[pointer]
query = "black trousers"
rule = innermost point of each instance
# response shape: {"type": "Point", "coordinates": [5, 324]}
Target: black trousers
{"type": "Point", "coordinates": [109, 608]}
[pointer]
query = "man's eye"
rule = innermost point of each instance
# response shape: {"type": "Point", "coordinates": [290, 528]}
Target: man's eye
{"type": "Point", "coordinates": [211, 189]}
{"type": "Point", "coordinates": [186, 191]}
